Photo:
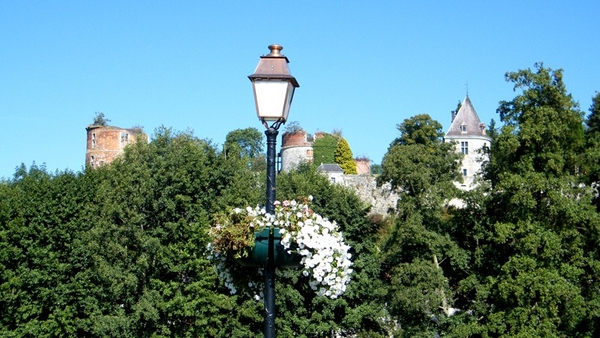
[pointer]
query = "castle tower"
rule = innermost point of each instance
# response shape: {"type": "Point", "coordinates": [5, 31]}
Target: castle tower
{"type": "Point", "coordinates": [296, 148]}
{"type": "Point", "coordinates": [469, 134]}
{"type": "Point", "coordinates": [105, 143]}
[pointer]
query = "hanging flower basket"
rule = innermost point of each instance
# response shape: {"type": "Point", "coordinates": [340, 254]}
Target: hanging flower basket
{"type": "Point", "coordinates": [302, 239]}
{"type": "Point", "coordinates": [257, 256]}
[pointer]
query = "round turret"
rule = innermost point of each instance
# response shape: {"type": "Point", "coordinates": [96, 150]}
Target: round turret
{"type": "Point", "coordinates": [105, 143]}
{"type": "Point", "coordinates": [296, 148]}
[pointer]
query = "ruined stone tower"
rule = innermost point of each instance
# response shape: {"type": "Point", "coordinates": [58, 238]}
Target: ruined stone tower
{"type": "Point", "coordinates": [105, 143]}
{"type": "Point", "coordinates": [296, 148]}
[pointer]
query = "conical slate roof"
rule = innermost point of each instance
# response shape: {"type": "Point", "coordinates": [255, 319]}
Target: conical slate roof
{"type": "Point", "coordinates": [466, 122]}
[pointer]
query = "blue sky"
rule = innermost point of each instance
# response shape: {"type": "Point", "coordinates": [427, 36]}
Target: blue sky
{"type": "Point", "coordinates": [363, 66]}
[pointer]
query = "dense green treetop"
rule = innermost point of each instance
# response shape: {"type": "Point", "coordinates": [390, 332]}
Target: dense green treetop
{"type": "Point", "coordinates": [543, 129]}
{"type": "Point", "coordinates": [119, 251]}
{"type": "Point", "coordinates": [419, 129]}
{"type": "Point", "coordinates": [458, 106]}
{"type": "Point", "coordinates": [518, 258]}
{"type": "Point", "coordinates": [593, 119]}
{"type": "Point", "coordinates": [591, 170]}
{"type": "Point", "coordinates": [100, 120]}
{"type": "Point", "coordinates": [324, 149]}
{"type": "Point", "coordinates": [343, 156]}
{"type": "Point", "coordinates": [419, 162]}
{"type": "Point", "coordinates": [534, 238]}
{"type": "Point", "coordinates": [249, 142]}
{"type": "Point", "coordinates": [375, 169]}
{"type": "Point", "coordinates": [417, 257]}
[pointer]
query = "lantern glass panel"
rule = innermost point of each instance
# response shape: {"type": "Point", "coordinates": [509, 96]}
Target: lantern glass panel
{"type": "Point", "coordinates": [273, 99]}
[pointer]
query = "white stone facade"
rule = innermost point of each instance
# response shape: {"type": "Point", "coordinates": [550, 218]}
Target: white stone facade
{"type": "Point", "coordinates": [472, 160]}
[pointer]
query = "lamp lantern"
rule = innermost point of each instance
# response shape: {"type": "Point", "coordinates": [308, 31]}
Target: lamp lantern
{"type": "Point", "coordinates": [273, 86]}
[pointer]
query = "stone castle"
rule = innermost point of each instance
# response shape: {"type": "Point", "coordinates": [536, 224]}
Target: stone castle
{"type": "Point", "coordinates": [105, 143]}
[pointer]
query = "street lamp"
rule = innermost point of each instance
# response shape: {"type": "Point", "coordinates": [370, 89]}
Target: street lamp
{"type": "Point", "coordinates": [273, 93]}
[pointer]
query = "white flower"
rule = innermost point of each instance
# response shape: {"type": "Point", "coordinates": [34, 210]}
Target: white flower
{"type": "Point", "coordinates": [325, 257]}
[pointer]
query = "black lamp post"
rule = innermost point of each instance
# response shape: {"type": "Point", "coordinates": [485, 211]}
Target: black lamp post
{"type": "Point", "coordinates": [273, 93]}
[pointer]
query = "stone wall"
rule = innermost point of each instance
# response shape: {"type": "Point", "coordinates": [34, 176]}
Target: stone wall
{"type": "Point", "coordinates": [382, 199]}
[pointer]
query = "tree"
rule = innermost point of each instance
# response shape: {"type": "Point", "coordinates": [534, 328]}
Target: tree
{"type": "Point", "coordinates": [419, 163]}
{"type": "Point", "coordinates": [100, 120]}
{"type": "Point", "coordinates": [593, 119]}
{"type": "Point", "coordinates": [375, 169]}
{"type": "Point", "coordinates": [458, 106]}
{"type": "Point", "coordinates": [43, 280]}
{"type": "Point", "coordinates": [419, 129]}
{"type": "Point", "coordinates": [149, 229]}
{"type": "Point", "coordinates": [324, 149]}
{"type": "Point", "coordinates": [533, 234]}
{"type": "Point", "coordinates": [543, 130]}
{"type": "Point", "coordinates": [343, 157]}
{"type": "Point", "coordinates": [292, 127]}
{"type": "Point", "coordinates": [417, 255]}
{"type": "Point", "coordinates": [591, 170]}
{"type": "Point", "coordinates": [492, 131]}
{"type": "Point", "coordinates": [248, 142]}
{"type": "Point", "coordinates": [118, 251]}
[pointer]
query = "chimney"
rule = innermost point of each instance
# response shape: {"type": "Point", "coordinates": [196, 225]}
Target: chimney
{"type": "Point", "coordinates": [482, 128]}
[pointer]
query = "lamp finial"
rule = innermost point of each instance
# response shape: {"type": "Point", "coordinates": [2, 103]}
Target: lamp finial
{"type": "Point", "coordinates": [275, 50]}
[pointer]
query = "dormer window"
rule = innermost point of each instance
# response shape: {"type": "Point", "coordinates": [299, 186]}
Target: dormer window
{"type": "Point", "coordinates": [463, 128]}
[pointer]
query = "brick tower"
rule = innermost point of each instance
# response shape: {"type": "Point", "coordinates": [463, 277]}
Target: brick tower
{"type": "Point", "coordinates": [105, 143]}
